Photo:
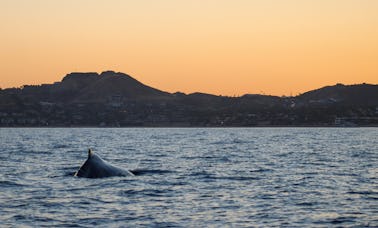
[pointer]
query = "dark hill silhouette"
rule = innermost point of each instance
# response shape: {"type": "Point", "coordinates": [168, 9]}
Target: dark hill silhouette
{"type": "Point", "coordinates": [117, 99]}
{"type": "Point", "coordinates": [71, 86]}
{"type": "Point", "coordinates": [360, 94]}
{"type": "Point", "coordinates": [75, 81]}
{"type": "Point", "coordinates": [99, 88]}
{"type": "Point", "coordinates": [110, 84]}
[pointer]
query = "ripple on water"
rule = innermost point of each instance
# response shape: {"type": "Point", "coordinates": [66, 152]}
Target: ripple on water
{"type": "Point", "coordinates": [261, 177]}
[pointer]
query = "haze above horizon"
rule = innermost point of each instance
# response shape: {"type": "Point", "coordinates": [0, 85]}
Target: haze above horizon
{"type": "Point", "coordinates": [212, 46]}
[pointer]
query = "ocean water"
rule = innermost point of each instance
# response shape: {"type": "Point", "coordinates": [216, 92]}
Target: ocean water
{"type": "Point", "coordinates": [191, 177]}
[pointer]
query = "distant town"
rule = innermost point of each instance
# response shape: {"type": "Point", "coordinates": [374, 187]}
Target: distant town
{"type": "Point", "coordinates": [113, 99]}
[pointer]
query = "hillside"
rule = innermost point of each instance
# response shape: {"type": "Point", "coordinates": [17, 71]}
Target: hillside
{"type": "Point", "coordinates": [117, 99]}
{"type": "Point", "coordinates": [110, 84]}
{"type": "Point", "coordinates": [91, 88]}
{"type": "Point", "coordinates": [362, 94]}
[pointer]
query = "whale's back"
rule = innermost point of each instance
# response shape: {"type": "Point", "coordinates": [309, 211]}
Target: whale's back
{"type": "Point", "coordinates": [95, 167]}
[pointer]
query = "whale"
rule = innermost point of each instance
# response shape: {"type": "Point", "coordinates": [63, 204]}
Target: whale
{"type": "Point", "coordinates": [96, 167]}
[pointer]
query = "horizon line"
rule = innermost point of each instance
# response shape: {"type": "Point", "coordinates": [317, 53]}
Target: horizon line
{"type": "Point", "coordinates": [263, 93]}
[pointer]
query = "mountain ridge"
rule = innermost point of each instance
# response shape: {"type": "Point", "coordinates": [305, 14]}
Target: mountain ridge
{"type": "Point", "coordinates": [80, 80]}
{"type": "Point", "coordinates": [117, 99]}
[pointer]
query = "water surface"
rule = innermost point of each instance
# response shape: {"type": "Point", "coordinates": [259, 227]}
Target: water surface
{"type": "Point", "coordinates": [192, 177]}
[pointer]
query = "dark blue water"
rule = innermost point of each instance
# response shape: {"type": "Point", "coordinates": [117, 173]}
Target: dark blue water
{"type": "Point", "coordinates": [292, 177]}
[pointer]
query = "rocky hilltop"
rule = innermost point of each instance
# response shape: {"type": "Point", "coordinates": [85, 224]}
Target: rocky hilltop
{"type": "Point", "coordinates": [92, 88]}
{"type": "Point", "coordinates": [117, 99]}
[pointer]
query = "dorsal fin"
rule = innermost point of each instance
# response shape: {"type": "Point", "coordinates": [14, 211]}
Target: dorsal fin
{"type": "Point", "coordinates": [90, 153]}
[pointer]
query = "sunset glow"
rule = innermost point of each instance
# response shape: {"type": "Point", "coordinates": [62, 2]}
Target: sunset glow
{"type": "Point", "coordinates": [213, 46]}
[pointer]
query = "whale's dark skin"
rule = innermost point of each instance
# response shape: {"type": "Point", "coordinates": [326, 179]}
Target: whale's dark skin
{"type": "Point", "coordinates": [95, 167]}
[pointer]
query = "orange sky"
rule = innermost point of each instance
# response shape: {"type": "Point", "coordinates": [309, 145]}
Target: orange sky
{"type": "Point", "coordinates": [228, 47]}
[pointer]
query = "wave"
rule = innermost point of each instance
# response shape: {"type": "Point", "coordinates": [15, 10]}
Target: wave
{"type": "Point", "coordinates": [141, 172]}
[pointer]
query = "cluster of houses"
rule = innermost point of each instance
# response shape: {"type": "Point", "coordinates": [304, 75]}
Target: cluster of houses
{"type": "Point", "coordinates": [118, 113]}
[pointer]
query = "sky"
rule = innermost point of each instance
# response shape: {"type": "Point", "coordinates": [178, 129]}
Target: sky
{"type": "Point", "coordinates": [222, 47]}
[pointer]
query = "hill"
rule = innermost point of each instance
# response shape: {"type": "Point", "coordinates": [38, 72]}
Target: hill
{"type": "Point", "coordinates": [89, 88]}
{"type": "Point", "coordinates": [361, 94]}
{"type": "Point", "coordinates": [117, 99]}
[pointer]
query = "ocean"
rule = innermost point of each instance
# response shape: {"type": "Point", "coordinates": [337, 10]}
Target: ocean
{"type": "Point", "coordinates": [191, 177]}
